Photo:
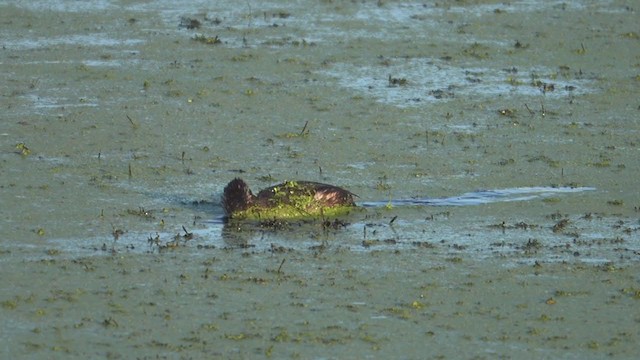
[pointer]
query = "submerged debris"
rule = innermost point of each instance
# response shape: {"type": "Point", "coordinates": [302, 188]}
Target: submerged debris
{"type": "Point", "coordinates": [189, 23]}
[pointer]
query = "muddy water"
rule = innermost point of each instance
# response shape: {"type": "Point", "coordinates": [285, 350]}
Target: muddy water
{"type": "Point", "coordinates": [122, 121]}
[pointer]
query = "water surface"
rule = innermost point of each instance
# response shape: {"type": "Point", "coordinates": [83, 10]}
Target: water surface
{"type": "Point", "coordinates": [494, 146]}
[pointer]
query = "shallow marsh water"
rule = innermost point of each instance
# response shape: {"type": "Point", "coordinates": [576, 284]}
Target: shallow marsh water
{"type": "Point", "coordinates": [120, 125]}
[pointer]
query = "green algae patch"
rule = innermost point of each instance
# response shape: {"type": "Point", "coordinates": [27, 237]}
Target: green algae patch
{"type": "Point", "coordinates": [293, 201]}
{"type": "Point", "coordinates": [293, 212]}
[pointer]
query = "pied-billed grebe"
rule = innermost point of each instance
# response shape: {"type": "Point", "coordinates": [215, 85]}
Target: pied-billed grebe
{"type": "Point", "coordinates": [290, 199]}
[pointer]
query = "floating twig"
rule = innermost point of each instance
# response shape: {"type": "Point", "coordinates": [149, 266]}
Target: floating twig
{"type": "Point", "coordinates": [281, 263]}
{"type": "Point", "coordinates": [133, 124]}
{"type": "Point", "coordinates": [304, 128]}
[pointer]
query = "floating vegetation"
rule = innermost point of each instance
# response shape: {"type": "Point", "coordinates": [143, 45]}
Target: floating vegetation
{"type": "Point", "coordinates": [543, 86]}
{"type": "Point", "coordinates": [560, 225]}
{"type": "Point", "coordinates": [177, 241]}
{"type": "Point", "coordinates": [477, 51]}
{"type": "Point", "coordinates": [23, 149]}
{"type": "Point", "coordinates": [580, 51]}
{"type": "Point", "coordinates": [545, 159]}
{"type": "Point", "coordinates": [423, 244]}
{"type": "Point", "coordinates": [532, 246]}
{"type": "Point", "coordinates": [141, 212]}
{"type": "Point", "coordinates": [288, 41]}
{"type": "Point", "coordinates": [442, 93]}
{"type": "Point", "coordinates": [300, 208]}
{"type": "Point", "coordinates": [207, 39]}
{"type": "Point", "coordinates": [632, 291]}
{"type": "Point", "coordinates": [116, 233]}
{"type": "Point", "coordinates": [603, 163]}
{"type": "Point", "coordinates": [520, 225]}
{"type": "Point", "coordinates": [607, 267]}
{"type": "Point", "coordinates": [301, 134]}
{"type": "Point", "coordinates": [110, 322]}
{"type": "Point", "coordinates": [382, 185]}
{"type": "Point", "coordinates": [280, 14]}
{"type": "Point", "coordinates": [369, 243]}
{"type": "Point", "coordinates": [505, 162]}
{"type": "Point", "coordinates": [550, 301]}
{"type": "Point", "coordinates": [511, 113]}
{"type": "Point", "coordinates": [393, 82]}
{"type": "Point", "coordinates": [267, 178]}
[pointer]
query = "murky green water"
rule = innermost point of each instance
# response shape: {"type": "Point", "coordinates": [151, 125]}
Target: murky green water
{"type": "Point", "coordinates": [121, 124]}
